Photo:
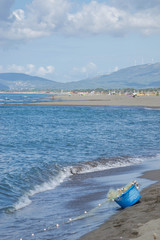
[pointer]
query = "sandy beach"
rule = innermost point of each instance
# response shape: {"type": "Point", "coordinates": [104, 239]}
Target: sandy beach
{"type": "Point", "coordinates": [140, 222]}
{"type": "Point", "coordinates": [102, 100]}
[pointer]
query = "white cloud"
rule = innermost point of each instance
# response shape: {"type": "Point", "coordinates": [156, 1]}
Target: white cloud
{"type": "Point", "coordinates": [42, 71]}
{"type": "Point", "coordinates": [85, 71]}
{"type": "Point", "coordinates": [43, 18]}
{"type": "Point", "coordinates": [97, 18]}
{"type": "Point", "coordinates": [113, 19]}
{"type": "Point", "coordinates": [115, 69]}
{"type": "Point", "coordinates": [48, 14]}
{"type": "Point", "coordinates": [28, 69]}
{"type": "Point", "coordinates": [40, 18]}
{"type": "Point", "coordinates": [18, 15]}
{"type": "Point", "coordinates": [16, 68]}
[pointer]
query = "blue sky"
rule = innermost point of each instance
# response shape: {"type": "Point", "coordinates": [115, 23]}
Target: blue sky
{"type": "Point", "coordinates": [69, 40]}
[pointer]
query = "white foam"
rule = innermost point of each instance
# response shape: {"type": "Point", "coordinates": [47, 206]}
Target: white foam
{"type": "Point", "coordinates": [51, 184]}
{"type": "Point", "coordinates": [149, 108]}
{"type": "Point", "coordinates": [110, 165]}
{"type": "Point", "coordinates": [65, 173]}
{"type": "Point", "coordinates": [23, 202]}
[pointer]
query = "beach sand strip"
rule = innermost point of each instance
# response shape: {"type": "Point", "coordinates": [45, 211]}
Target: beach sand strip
{"type": "Point", "coordinates": [141, 221]}
{"type": "Point", "coordinates": [103, 100]}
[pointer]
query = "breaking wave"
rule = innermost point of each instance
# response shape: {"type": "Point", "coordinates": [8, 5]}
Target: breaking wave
{"type": "Point", "coordinates": [53, 182]}
{"type": "Point", "coordinates": [66, 172]}
{"type": "Point", "coordinates": [104, 164]}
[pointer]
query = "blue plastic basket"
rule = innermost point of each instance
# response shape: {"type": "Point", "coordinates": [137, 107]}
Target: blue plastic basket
{"type": "Point", "coordinates": [128, 198]}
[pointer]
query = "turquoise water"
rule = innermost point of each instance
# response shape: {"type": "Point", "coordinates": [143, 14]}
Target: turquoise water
{"type": "Point", "coordinates": [57, 161]}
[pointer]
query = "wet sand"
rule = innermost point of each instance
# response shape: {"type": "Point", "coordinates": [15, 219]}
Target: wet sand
{"type": "Point", "coordinates": [102, 100]}
{"type": "Point", "coordinates": [141, 221]}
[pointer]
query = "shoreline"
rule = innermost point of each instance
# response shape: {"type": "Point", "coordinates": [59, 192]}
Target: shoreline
{"type": "Point", "coordinates": [102, 100]}
{"type": "Point", "coordinates": [140, 222]}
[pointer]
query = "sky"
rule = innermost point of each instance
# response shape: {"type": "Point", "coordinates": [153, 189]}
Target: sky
{"type": "Point", "coordinates": [70, 40]}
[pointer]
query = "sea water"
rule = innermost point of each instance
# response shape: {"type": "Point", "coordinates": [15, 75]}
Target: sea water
{"type": "Point", "coordinates": [57, 162]}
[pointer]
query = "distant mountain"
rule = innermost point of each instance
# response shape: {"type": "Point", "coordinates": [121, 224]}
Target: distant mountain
{"type": "Point", "coordinates": [19, 81]}
{"type": "Point", "coordinates": [141, 76]}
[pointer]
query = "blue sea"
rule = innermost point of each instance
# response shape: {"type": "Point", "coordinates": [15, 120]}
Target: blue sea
{"type": "Point", "coordinates": [56, 162]}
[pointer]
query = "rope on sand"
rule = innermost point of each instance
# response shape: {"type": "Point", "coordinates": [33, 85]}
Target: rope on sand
{"type": "Point", "coordinates": [84, 215]}
{"type": "Point", "coordinates": [88, 214]}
